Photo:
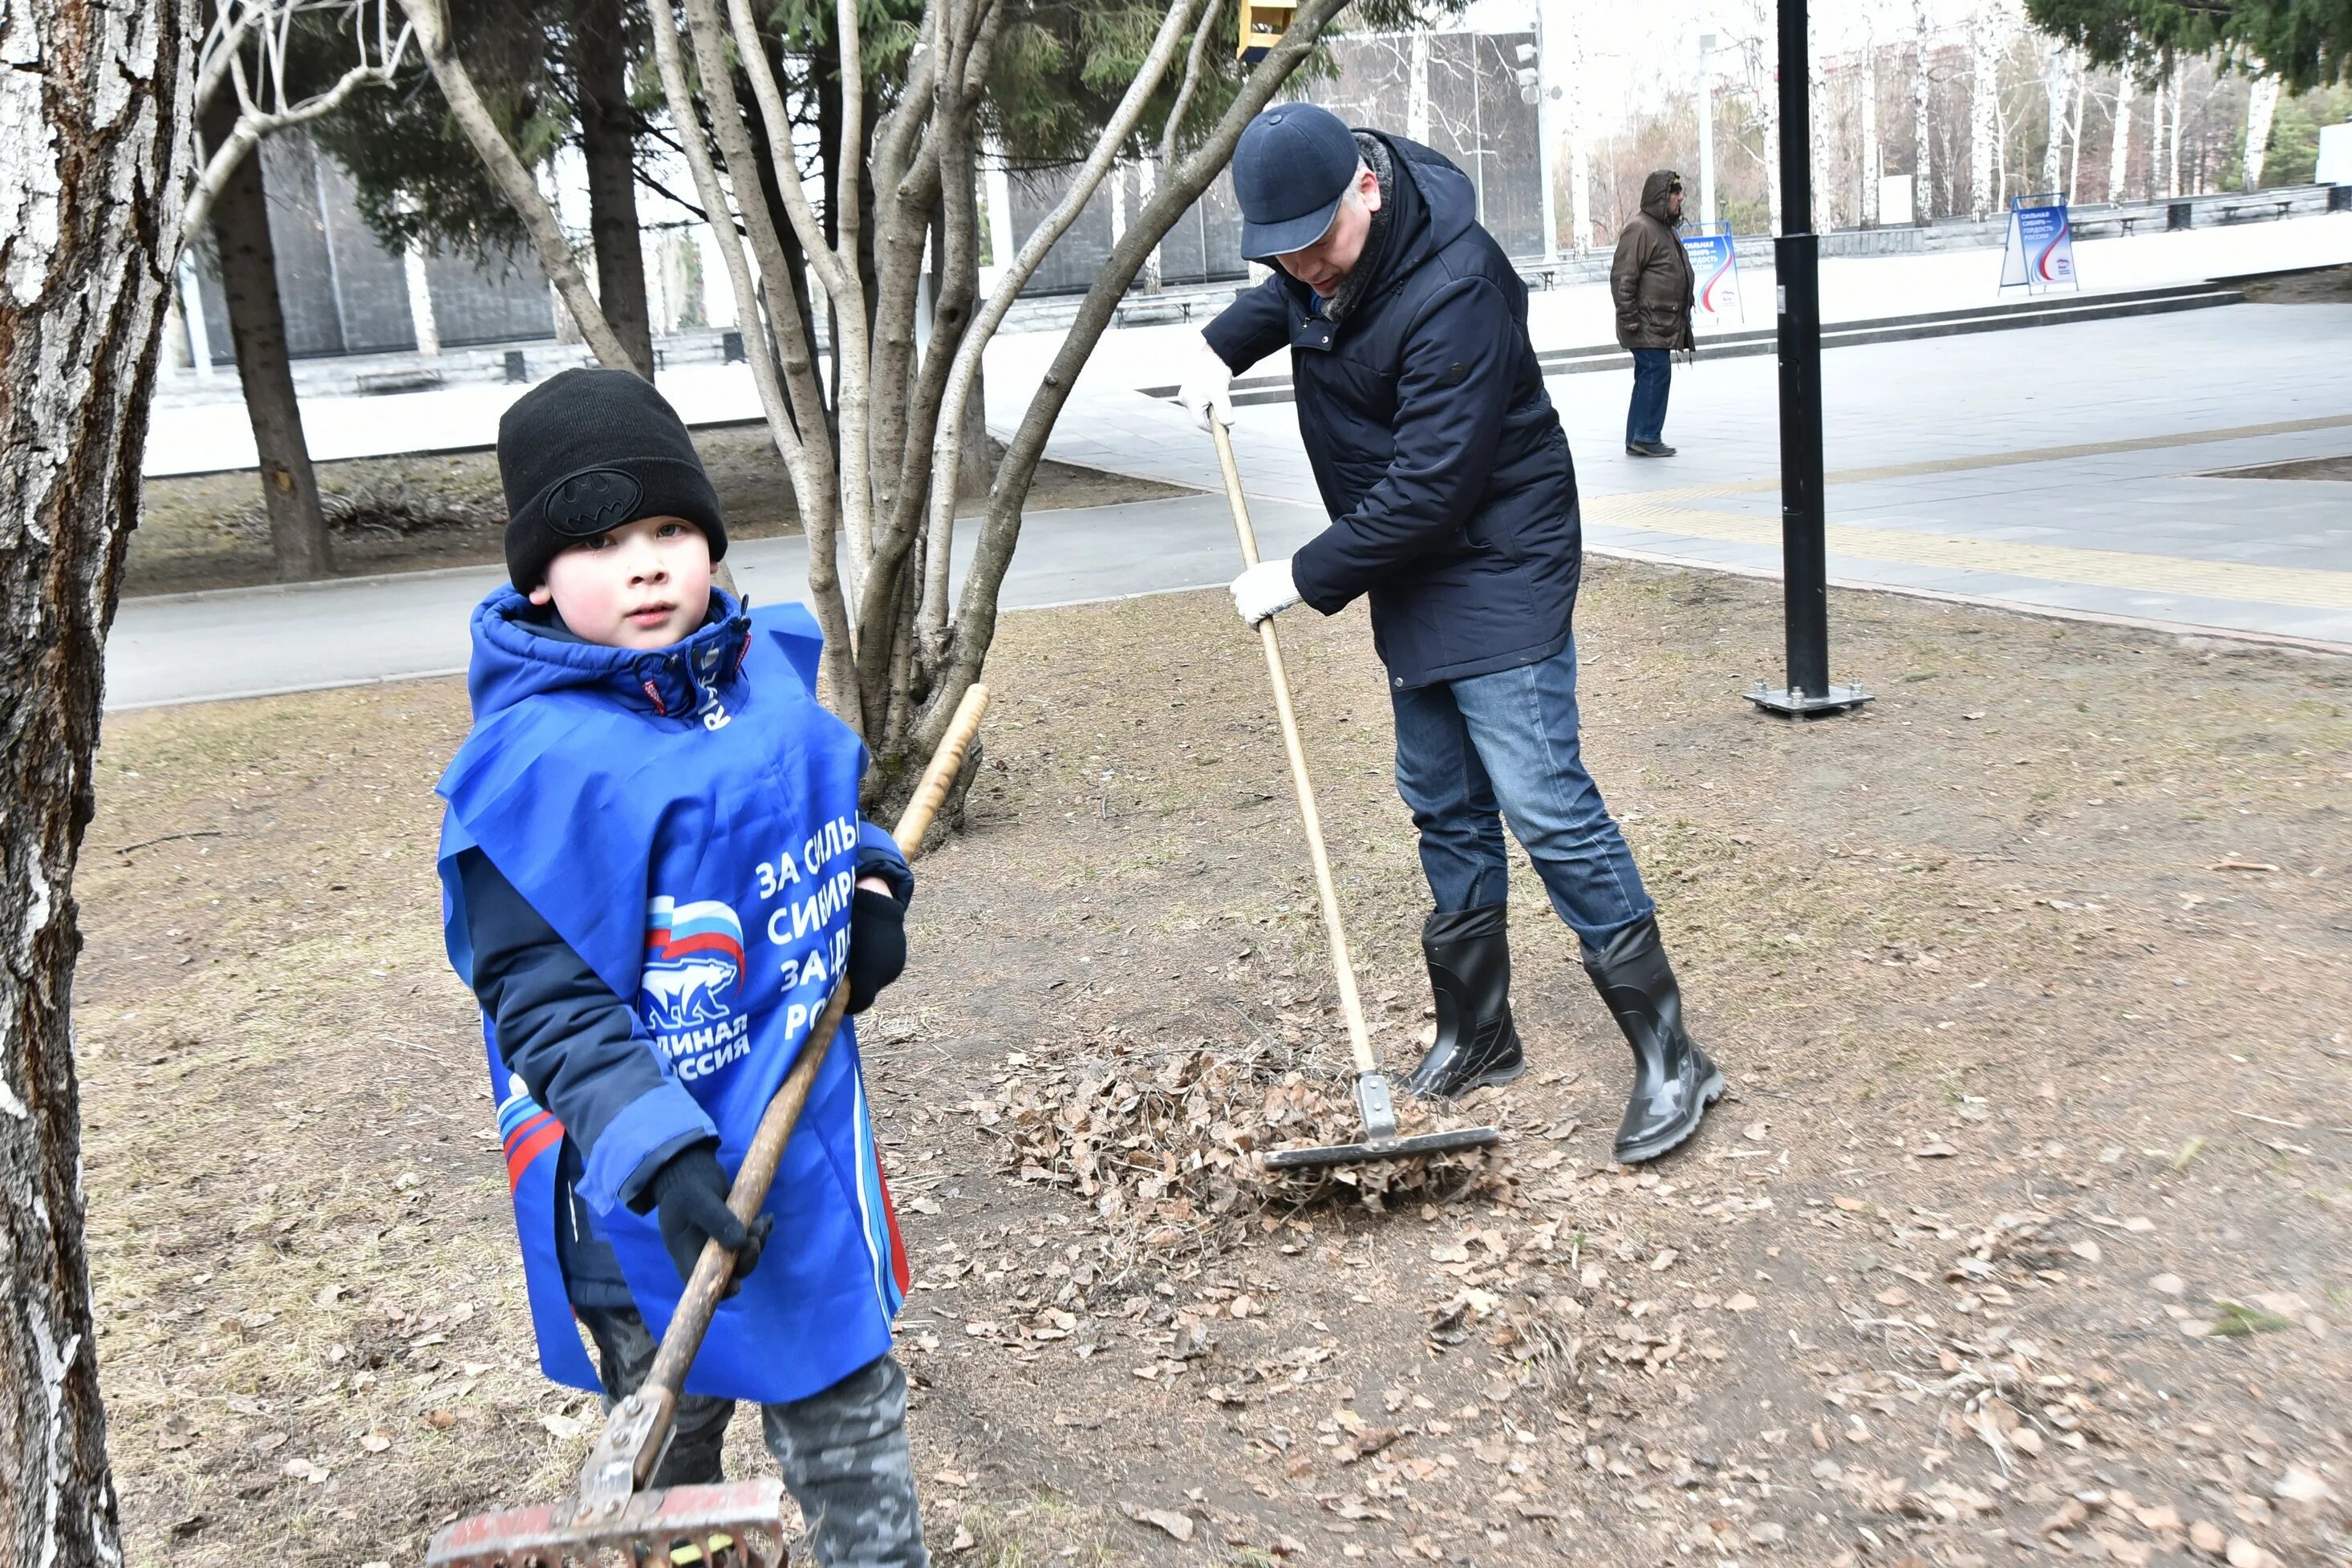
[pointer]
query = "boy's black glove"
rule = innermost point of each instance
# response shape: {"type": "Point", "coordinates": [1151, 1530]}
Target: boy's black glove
{"type": "Point", "coordinates": [877, 945]}
{"type": "Point", "coordinates": [690, 1195]}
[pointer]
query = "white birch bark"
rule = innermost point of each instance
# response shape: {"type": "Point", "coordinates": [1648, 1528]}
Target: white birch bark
{"type": "Point", "coordinates": [2179, 114]}
{"type": "Point", "coordinates": [2057, 89]}
{"type": "Point", "coordinates": [95, 142]}
{"type": "Point", "coordinates": [1922, 166]}
{"type": "Point", "coordinates": [2261, 106]}
{"type": "Point", "coordinates": [2119, 147]}
{"type": "Point", "coordinates": [1869, 130]}
{"type": "Point", "coordinates": [1984, 85]}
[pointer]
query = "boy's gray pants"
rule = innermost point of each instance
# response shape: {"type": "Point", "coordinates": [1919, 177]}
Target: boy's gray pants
{"type": "Point", "coordinates": [843, 1451]}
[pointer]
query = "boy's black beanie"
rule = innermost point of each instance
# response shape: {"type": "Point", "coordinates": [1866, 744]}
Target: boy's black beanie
{"type": "Point", "coordinates": [587, 450]}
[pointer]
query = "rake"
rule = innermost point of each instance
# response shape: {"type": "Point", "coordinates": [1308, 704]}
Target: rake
{"type": "Point", "coordinates": [1374, 1101]}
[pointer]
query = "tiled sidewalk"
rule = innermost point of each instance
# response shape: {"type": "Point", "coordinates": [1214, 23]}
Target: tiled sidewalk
{"type": "Point", "coordinates": [2065, 468]}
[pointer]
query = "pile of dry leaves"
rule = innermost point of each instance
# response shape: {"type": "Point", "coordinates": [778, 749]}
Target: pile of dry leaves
{"type": "Point", "coordinates": [1164, 1141]}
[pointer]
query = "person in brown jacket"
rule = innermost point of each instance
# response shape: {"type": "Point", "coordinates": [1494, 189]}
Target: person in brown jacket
{"type": "Point", "coordinates": [1650, 281]}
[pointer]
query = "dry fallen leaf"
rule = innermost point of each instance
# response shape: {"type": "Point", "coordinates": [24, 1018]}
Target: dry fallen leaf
{"type": "Point", "coordinates": [2299, 1485]}
{"type": "Point", "coordinates": [1741, 1302]}
{"type": "Point", "coordinates": [375, 1442]}
{"type": "Point", "coordinates": [1176, 1524]}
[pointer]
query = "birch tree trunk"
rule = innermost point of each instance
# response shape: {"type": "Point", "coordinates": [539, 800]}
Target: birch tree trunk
{"type": "Point", "coordinates": [1984, 83]}
{"type": "Point", "coordinates": [2057, 86]}
{"type": "Point", "coordinates": [298, 545]}
{"type": "Point", "coordinates": [94, 111]}
{"type": "Point", "coordinates": [1579, 170]}
{"type": "Point", "coordinates": [1920, 165]}
{"type": "Point", "coordinates": [2262, 104]}
{"type": "Point", "coordinates": [2179, 114]}
{"type": "Point", "coordinates": [1870, 157]}
{"type": "Point", "coordinates": [2075, 157]}
{"type": "Point", "coordinates": [2155, 140]}
{"type": "Point", "coordinates": [2119, 149]}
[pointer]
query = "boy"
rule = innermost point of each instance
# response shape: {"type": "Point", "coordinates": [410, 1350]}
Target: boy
{"type": "Point", "coordinates": [653, 875]}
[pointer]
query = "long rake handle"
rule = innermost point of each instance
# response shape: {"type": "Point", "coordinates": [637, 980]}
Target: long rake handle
{"type": "Point", "coordinates": [1351, 1007]}
{"type": "Point", "coordinates": [666, 1377]}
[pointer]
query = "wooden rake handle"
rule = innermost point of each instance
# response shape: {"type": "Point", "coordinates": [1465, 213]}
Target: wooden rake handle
{"type": "Point", "coordinates": [1343, 969]}
{"type": "Point", "coordinates": [636, 1436]}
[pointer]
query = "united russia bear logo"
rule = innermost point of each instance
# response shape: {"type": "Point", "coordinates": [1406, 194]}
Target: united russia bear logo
{"type": "Point", "coordinates": [694, 964]}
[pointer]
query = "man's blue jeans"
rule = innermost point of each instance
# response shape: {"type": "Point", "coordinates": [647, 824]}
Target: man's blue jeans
{"type": "Point", "coordinates": [1507, 743]}
{"type": "Point", "coordinates": [1646, 417]}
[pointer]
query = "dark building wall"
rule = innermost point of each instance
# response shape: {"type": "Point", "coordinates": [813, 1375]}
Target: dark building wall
{"type": "Point", "coordinates": [343, 293]}
{"type": "Point", "coordinates": [371, 282]}
{"type": "Point", "coordinates": [501, 298]}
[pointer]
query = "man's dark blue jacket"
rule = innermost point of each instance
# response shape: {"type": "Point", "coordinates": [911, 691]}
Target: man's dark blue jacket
{"type": "Point", "coordinates": [1439, 455]}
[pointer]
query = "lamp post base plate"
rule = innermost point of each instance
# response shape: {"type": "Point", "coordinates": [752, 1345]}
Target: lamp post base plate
{"type": "Point", "coordinates": [1807, 704]}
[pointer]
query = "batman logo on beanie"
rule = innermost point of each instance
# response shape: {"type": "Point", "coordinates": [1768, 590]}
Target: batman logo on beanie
{"type": "Point", "coordinates": [593, 502]}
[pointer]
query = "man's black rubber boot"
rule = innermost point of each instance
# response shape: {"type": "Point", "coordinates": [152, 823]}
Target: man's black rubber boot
{"type": "Point", "coordinates": [1469, 957]}
{"type": "Point", "coordinates": [1673, 1081]}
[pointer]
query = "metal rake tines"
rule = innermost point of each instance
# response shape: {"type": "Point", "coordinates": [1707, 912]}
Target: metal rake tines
{"type": "Point", "coordinates": [738, 1524]}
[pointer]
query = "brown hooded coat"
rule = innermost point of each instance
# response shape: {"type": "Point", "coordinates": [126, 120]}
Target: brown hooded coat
{"type": "Point", "coordinates": [1650, 279]}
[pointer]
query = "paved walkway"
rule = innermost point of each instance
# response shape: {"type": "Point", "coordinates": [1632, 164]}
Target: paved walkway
{"type": "Point", "coordinates": [197, 437]}
{"type": "Point", "coordinates": [2066, 468]}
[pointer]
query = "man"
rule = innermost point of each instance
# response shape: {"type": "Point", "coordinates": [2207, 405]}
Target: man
{"type": "Point", "coordinates": [1454, 507]}
{"type": "Point", "coordinates": [1651, 280]}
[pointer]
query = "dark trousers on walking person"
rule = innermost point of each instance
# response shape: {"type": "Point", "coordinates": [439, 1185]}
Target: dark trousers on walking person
{"type": "Point", "coordinates": [842, 1450]}
{"type": "Point", "coordinates": [1646, 417]}
{"type": "Point", "coordinates": [1472, 755]}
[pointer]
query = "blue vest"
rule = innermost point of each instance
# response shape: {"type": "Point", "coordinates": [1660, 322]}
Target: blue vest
{"type": "Point", "coordinates": [700, 857]}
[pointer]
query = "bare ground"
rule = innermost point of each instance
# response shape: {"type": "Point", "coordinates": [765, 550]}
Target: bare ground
{"type": "Point", "coordinates": [2023, 1232]}
{"type": "Point", "coordinates": [438, 510]}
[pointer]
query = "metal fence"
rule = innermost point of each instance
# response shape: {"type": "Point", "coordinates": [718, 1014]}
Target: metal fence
{"type": "Point", "coordinates": [1470, 109]}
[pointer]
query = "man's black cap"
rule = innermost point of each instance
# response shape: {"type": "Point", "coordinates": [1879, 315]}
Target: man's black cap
{"type": "Point", "coordinates": [587, 450]}
{"type": "Point", "coordinates": [1291, 169]}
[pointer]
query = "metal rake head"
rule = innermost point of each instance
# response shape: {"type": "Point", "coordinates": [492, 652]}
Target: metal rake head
{"type": "Point", "coordinates": [1392, 1148]}
{"type": "Point", "coordinates": [737, 1524]}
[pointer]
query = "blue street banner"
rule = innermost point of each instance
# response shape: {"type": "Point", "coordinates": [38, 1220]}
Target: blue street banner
{"type": "Point", "coordinates": [1714, 268]}
{"type": "Point", "coordinates": [2038, 255]}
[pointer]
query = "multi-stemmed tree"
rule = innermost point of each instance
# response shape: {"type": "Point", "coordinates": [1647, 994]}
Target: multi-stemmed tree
{"type": "Point", "coordinates": [875, 449]}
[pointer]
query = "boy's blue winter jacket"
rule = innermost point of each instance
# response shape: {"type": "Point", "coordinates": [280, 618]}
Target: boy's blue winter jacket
{"type": "Point", "coordinates": [618, 820]}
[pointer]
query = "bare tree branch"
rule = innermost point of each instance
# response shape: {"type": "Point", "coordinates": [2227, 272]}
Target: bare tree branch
{"type": "Point", "coordinates": [1196, 60]}
{"type": "Point", "coordinates": [947, 449]}
{"type": "Point", "coordinates": [431, 20]}
{"type": "Point", "coordinates": [976, 609]}
{"type": "Point", "coordinates": [270, 24]}
{"type": "Point", "coordinates": [792, 394]}
{"type": "Point", "coordinates": [836, 267]}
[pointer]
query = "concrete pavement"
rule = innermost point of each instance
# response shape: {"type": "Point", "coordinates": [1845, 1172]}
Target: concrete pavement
{"type": "Point", "coordinates": [190, 438]}
{"type": "Point", "coordinates": [258, 642]}
{"type": "Point", "coordinates": [2067, 468]}
{"type": "Point", "coordinates": [2062, 469]}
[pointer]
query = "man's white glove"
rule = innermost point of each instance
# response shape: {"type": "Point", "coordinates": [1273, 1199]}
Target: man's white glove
{"type": "Point", "coordinates": [1263, 591]}
{"type": "Point", "coordinates": [1207, 389]}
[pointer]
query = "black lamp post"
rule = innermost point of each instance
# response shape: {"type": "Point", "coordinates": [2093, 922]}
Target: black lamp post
{"type": "Point", "coordinates": [1796, 264]}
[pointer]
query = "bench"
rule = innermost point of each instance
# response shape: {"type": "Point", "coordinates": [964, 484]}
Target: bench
{"type": "Point", "coordinates": [2118, 223]}
{"type": "Point", "coordinates": [2278, 209]}
{"type": "Point", "coordinates": [376, 383]}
